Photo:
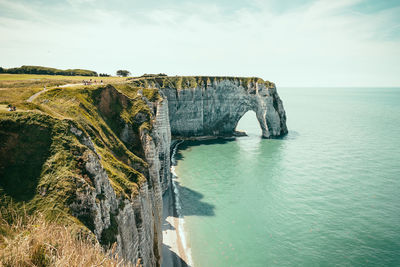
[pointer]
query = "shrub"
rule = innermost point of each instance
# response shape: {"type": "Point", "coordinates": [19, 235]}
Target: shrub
{"type": "Point", "coordinates": [123, 73]}
{"type": "Point", "coordinates": [48, 71]}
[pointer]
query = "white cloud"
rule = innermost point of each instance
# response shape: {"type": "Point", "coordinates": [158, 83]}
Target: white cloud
{"type": "Point", "coordinates": [319, 44]}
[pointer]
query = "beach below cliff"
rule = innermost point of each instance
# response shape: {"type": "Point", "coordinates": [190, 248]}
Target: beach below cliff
{"type": "Point", "coordinates": [173, 251]}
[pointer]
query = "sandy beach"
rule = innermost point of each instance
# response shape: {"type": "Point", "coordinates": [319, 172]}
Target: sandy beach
{"type": "Point", "coordinates": [173, 252]}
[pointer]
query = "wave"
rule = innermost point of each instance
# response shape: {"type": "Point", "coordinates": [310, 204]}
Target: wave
{"type": "Point", "coordinates": [178, 207]}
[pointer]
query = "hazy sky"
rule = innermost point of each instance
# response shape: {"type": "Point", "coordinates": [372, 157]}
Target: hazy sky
{"type": "Point", "coordinates": [292, 43]}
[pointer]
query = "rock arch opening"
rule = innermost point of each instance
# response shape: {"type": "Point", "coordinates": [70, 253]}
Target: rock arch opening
{"type": "Point", "coordinates": [249, 124]}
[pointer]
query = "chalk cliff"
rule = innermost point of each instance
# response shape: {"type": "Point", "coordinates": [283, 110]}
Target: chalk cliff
{"type": "Point", "coordinates": [104, 168]}
{"type": "Point", "coordinates": [133, 223]}
{"type": "Point", "coordinates": [108, 164]}
{"type": "Point", "coordinates": [212, 106]}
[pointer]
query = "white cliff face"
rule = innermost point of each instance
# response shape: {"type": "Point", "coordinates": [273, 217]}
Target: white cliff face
{"type": "Point", "coordinates": [157, 152]}
{"type": "Point", "coordinates": [135, 225]}
{"type": "Point", "coordinates": [214, 109]}
{"type": "Point", "coordinates": [139, 221]}
{"type": "Point", "coordinates": [94, 203]}
{"type": "Point", "coordinates": [162, 135]}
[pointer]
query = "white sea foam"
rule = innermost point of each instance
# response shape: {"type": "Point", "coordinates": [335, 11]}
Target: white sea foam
{"type": "Point", "coordinates": [178, 208]}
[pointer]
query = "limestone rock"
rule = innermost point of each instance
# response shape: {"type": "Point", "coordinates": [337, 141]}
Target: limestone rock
{"type": "Point", "coordinates": [215, 108]}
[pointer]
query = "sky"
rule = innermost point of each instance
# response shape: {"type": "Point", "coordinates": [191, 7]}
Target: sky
{"type": "Point", "coordinates": [292, 43]}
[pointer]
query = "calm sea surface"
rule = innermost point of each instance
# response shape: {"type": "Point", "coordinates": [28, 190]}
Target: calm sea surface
{"type": "Point", "coordinates": [328, 194]}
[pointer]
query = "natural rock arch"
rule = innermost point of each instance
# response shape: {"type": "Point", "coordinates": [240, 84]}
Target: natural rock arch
{"type": "Point", "coordinates": [215, 108]}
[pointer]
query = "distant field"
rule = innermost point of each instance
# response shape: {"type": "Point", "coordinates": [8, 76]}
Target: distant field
{"type": "Point", "coordinates": [15, 89]}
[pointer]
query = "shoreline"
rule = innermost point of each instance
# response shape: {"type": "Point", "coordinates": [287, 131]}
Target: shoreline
{"type": "Point", "coordinates": [174, 249]}
{"type": "Point", "coordinates": [178, 139]}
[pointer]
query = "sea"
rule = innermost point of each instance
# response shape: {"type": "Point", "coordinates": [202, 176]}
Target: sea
{"type": "Point", "coordinates": [326, 194]}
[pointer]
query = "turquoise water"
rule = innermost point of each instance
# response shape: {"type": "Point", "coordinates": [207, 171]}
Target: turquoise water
{"type": "Point", "coordinates": [328, 194]}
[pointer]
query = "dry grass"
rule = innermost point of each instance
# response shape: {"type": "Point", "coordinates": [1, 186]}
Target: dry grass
{"type": "Point", "coordinates": [33, 241]}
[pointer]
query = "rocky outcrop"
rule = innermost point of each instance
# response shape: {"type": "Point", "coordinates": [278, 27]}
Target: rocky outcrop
{"type": "Point", "coordinates": [95, 203]}
{"type": "Point", "coordinates": [134, 124]}
{"type": "Point", "coordinates": [134, 224]}
{"type": "Point", "coordinates": [156, 148]}
{"type": "Point", "coordinates": [215, 107]}
{"type": "Point", "coordinates": [162, 142]}
{"type": "Point", "coordinates": [211, 108]}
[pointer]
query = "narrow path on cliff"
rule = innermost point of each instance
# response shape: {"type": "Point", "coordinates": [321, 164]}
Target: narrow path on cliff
{"type": "Point", "coordinates": [34, 96]}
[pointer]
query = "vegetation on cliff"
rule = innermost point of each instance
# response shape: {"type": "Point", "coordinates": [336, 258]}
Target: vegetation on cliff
{"type": "Point", "coordinates": [42, 161]}
{"type": "Point", "coordinates": [102, 112]}
{"type": "Point", "coordinates": [45, 144]}
{"type": "Point", "coordinates": [185, 82]}
{"type": "Point", "coordinates": [15, 89]}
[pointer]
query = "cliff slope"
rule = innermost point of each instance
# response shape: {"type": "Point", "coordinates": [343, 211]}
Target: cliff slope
{"type": "Point", "coordinates": [98, 157]}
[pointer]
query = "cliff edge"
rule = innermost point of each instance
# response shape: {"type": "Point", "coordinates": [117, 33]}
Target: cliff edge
{"type": "Point", "coordinates": [93, 157]}
{"type": "Point", "coordinates": [98, 157]}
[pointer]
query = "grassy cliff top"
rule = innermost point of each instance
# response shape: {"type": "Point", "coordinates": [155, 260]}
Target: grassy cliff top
{"type": "Point", "coordinates": [185, 82]}
{"type": "Point", "coordinates": [15, 89]}
{"type": "Point", "coordinates": [39, 151]}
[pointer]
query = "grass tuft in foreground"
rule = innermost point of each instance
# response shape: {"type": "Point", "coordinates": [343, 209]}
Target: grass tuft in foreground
{"type": "Point", "coordinates": [33, 241]}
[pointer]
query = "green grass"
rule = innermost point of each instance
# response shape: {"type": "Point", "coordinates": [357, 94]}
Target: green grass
{"type": "Point", "coordinates": [15, 89]}
{"type": "Point", "coordinates": [38, 167]}
{"type": "Point", "coordinates": [42, 162]}
{"type": "Point", "coordinates": [103, 113]}
{"type": "Point", "coordinates": [39, 152]}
